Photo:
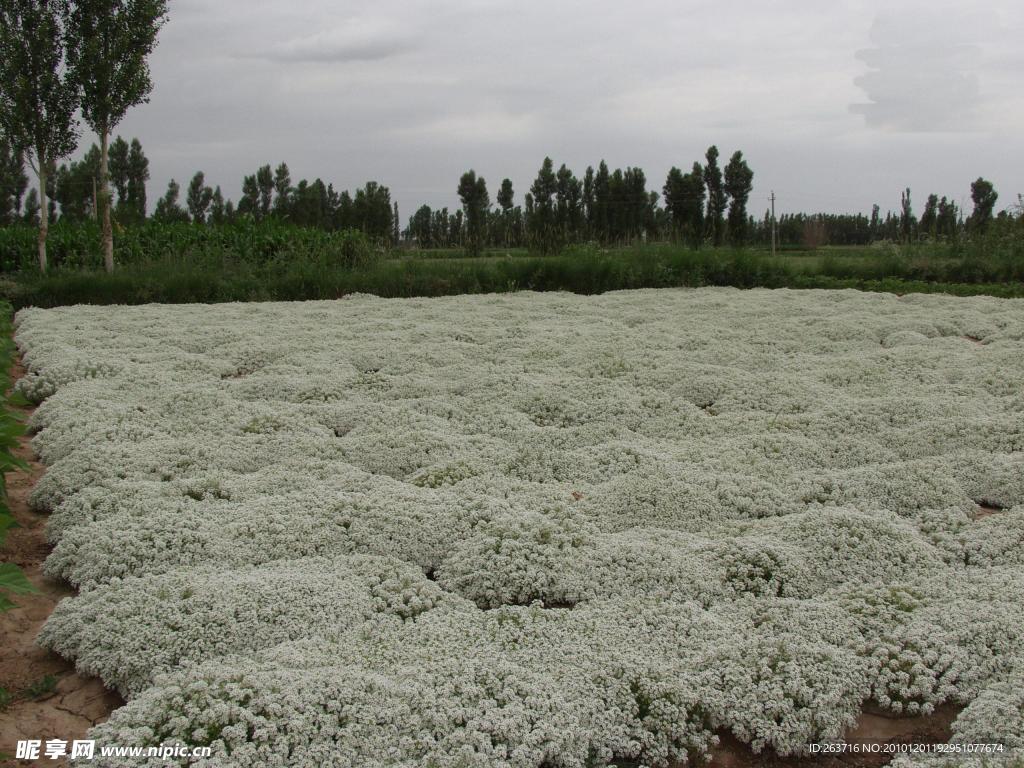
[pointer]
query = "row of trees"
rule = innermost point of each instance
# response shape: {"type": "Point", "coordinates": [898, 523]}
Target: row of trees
{"type": "Point", "coordinates": [606, 206]}
{"type": "Point", "coordinates": [59, 58]}
{"type": "Point", "coordinates": [270, 194]}
{"type": "Point", "coordinates": [941, 220]}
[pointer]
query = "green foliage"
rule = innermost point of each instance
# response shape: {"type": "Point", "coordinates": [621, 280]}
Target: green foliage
{"type": "Point", "coordinates": [475, 204]}
{"type": "Point", "coordinates": [984, 197]}
{"type": "Point", "coordinates": [41, 688]}
{"type": "Point", "coordinates": [581, 269]}
{"type": "Point", "coordinates": [13, 582]}
{"type": "Point", "coordinates": [739, 181]}
{"type": "Point", "coordinates": [12, 579]}
{"type": "Point", "coordinates": [77, 246]}
{"type": "Point", "coordinates": [716, 196]}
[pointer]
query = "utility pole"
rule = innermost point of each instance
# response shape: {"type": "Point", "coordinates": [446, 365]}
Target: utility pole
{"type": "Point", "coordinates": [772, 198]}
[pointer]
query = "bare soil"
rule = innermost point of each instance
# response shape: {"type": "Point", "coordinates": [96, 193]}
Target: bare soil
{"type": "Point", "coordinates": [50, 699]}
{"type": "Point", "coordinates": [873, 728]}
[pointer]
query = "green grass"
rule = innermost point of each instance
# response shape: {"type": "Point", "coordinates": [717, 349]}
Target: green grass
{"type": "Point", "coordinates": [584, 270]}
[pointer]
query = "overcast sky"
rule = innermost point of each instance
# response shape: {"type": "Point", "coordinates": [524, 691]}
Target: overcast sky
{"type": "Point", "coordinates": [836, 105]}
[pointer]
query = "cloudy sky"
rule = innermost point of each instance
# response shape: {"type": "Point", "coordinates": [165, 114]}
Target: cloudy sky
{"type": "Point", "coordinates": [836, 105]}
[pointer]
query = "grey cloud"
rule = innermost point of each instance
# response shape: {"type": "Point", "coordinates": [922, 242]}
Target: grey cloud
{"type": "Point", "coordinates": [923, 76]}
{"type": "Point", "coordinates": [355, 41]}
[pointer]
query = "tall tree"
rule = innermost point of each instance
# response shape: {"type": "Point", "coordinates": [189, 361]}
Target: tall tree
{"type": "Point", "coordinates": [946, 219]}
{"type": "Point", "coordinates": [218, 211]}
{"type": "Point", "coordinates": [265, 184]}
{"type": "Point", "coordinates": [420, 227]}
{"type": "Point", "coordinates": [475, 204]}
{"type": "Point", "coordinates": [138, 175]}
{"type": "Point", "coordinates": [739, 181]}
{"type": "Point", "coordinates": [167, 207]}
{"type": "Point", "coordinates": [13, 182]}
{"type": "Point", "coordinates": [600, 211]}
{"type": "Point", "coordinates": [693, 198]}
{"type": "Point", "coordinates": [38, 95]}
{"type": "Point", "coordinates": [506, 201]}
{"type": "Point", "coordinates": [930, 217]}
{"type": "Point", "coordinates": [588, 200]}
{"type": "Point", "coordinates": [249, 203]}
{"type": "Point", "coordinates": [674, 200]}
{"type": "Point", "coordinates": [198, 198]}
{"type": "Point", "coordinates": [118, 168]}
{"type": "Point", "coordinates": [906, 217]}
{"type": "Point", "coordinates": [282, 190]}
{"type": "Point", "coordinates": [109, 44]}
{"type": "Point", "coordinates": [716, 196]}
{"type": "Point", "coordinates": [542, 226]}
{"type": "Point", "coordinates": [984, 197]}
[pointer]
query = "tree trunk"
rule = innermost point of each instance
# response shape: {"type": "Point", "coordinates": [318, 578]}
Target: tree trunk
{"type": "Point", "coordinates": [108, 232]}
{"type": "Point", "coordinates": [44, 216]}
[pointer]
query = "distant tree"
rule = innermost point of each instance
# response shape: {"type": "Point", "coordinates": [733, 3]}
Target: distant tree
{"type": "Point", "coordinates": [506, 196]}
{"type": "Point", "coordinates": [420, 226]}
{"type": "Point", "coordinates": [876, 223]}
{"type": "Point", "coordinates": [506, 204]}
{"type": "Point", "coordinates": [542, 223]}
{"type": "Point", "coordinates": [946, 220]}
{"type": "Point", "coordinates": [984, 197]}
{"type": "Point", "coordinates": [907, 220]}
{"type": "Point", "coordinates": [38, 96]}
{"type": "Point", "coordinates": [30, 209]}
{"type": "Point", "coordinates": [118, 168]}
{"type": "Point", "coordinates": [739, 181]}
{"type": "Point", "coordinates": [588, 200]}
{"type": "Point", "coordinates": [371, 211]}
{"type": "Point", "coordinates": [455, 228]}
{"type": "Point", "coordinates": [716, 196]}
{"type": "Point", "coordinates": [282, 190]}
{"type": "Point", "coordinates": [693, 202]}
{"type": "Point", "coordinates": [13, 182]}
{"type": "Point", "coordinates": [475, 204]}
{"type": "Point", "coordinates": [138, 175]}
{"type": "Point", "coordinates": [198, 198]}
{"type": "Point", "coordinates": [930, 217]}
{"type": "Point", "coordinates": [439, 228]}
{"type": "Point", "coordinates": [265, 184]}
{"type": "Point", "coordinates": [167, 208]}
{"type": "Point", "coordinates": [600, 222]}
{"type": "Point", "coordinates": [218, 212]}
{"type": "Point", "coordinates": [674, 194]}
{"type": "Point", "coordinates": [109, 44]}
{"type": "Point", "coordinates": [76, 185]}
{"type": "Point", "coordinates": [249, 203]}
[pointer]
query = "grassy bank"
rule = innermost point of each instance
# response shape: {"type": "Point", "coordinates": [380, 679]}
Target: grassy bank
{"type": "Point", "coordinates": [587, 271]}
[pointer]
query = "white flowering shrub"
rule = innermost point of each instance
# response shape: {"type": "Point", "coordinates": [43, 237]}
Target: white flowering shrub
{"type": "Point", "coordinates": [535, 529]}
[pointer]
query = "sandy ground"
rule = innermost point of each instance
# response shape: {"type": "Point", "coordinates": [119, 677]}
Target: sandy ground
{"type": "Point", "coordinates": [51, 699]}
{"type": "Point", "coordinates": [70, 704]}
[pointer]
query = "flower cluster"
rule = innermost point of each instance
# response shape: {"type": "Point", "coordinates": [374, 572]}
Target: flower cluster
{"type": "Point", "coordinates": [535, 529]}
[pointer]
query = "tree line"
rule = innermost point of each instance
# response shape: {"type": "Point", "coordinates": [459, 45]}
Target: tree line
{"type": "Point", "coordinates": [61, 58]}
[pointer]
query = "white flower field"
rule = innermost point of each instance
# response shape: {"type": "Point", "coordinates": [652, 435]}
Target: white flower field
{"type": "Point", "coordinates": [536, 530]}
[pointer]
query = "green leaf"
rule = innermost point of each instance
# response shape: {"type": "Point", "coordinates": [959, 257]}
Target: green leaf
{"type": "Point", "coordinates": [13, 579]}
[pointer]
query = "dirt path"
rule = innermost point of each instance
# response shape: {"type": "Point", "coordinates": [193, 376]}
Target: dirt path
{"type": "Point", "coordinates": [872, 728]}
{"type": "Point", "coordinates": [51, 701]}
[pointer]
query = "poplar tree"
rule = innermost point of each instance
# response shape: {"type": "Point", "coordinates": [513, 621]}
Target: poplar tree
{"type": "Point", "coordinates": [38, 95]}
{"type": "Point", "coordinates": [739, 181]}
{"type": "Point", "coordinates": [198, 198]}
{"type": "Point", "coordinates": [716, 196]}
{"type": "Point", "coordinates": [109, 42]}
{"type": "Point", "coordinates": [475, 203]}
